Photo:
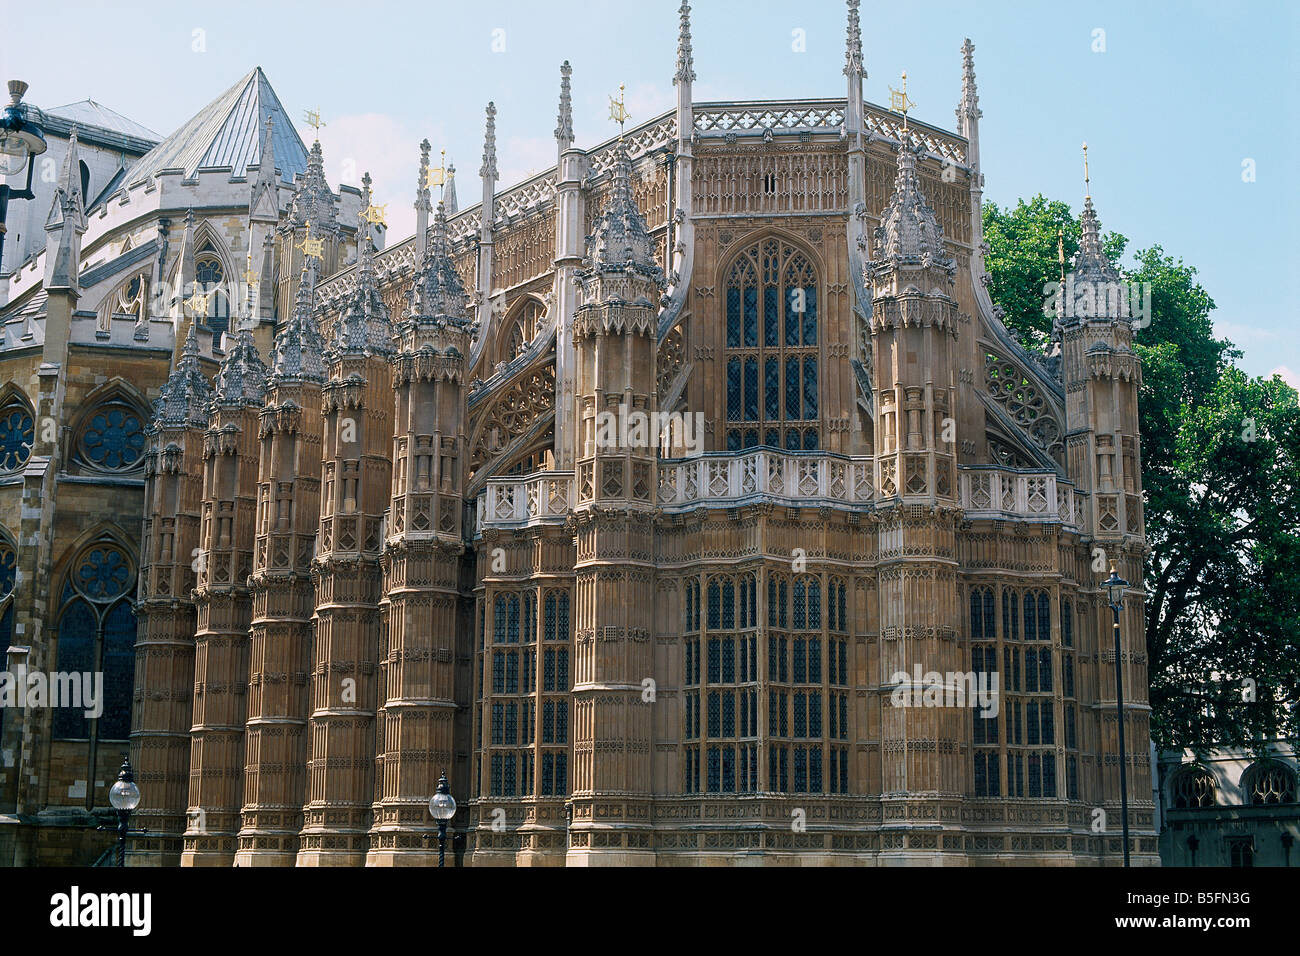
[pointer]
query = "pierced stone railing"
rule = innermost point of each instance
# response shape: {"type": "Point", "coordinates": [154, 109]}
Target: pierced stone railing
{"type": "Point", "coordinates": [799, 480]}
{"type": "Point", "coordinates": [544, 497]}
{"type": "Point", "coordinates": [988, 491]}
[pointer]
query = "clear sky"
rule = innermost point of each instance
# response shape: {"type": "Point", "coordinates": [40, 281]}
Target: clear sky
{"type": "Point", "coordinates": [1181, 96]}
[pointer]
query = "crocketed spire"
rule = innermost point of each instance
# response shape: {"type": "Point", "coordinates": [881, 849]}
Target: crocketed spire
{"type": "Point", "coordinates": [299, 352]}
{"type": "Point", "coordinates": [1091, 262]}
{"type": "Point", "coordinates": [564, 120]}
{"type": "Point", "coordinates": [909, 234]}
{"type": "Point", "coordinates": [314, 202]}
{"type": "Point", "coordinates": [363, 327]}
{"type": "Point", "coordinates": [241, 380]}
{"type": "Point", "coordinates": [969, 108]}
{"type": "Point", "coordinates": [685, 60]}
{"type": "Point", "coordinates": [853, 42]}
{"type": "Point", "coordinates": [183, 399]}
{"type": "Point", "coordinates": [437, 292]}
{"type": "Point", "coordinates": [489, 168]}
{"type": "Point", "coordinates": [620, 240]}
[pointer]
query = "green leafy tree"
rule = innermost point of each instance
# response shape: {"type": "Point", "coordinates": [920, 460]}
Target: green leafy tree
{"type": "Point", "coordinates": [1221, 480]}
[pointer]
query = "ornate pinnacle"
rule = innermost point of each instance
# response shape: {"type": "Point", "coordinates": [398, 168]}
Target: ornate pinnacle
{"type": "Point", "coordinates": [853, 47]}
{"type": "Point", "coordinates": [489, 167]}
{"type": "Point", "coordinates": [242, 376]}
{"type": "Point", "coordinates": [422, 184]}
{"type": "Point", "coordinates": [970, 101]}
{"type": "Point", "coordinates": [685, 61]}
{"type": "Point", "coordinates": [437, 292]}
{"type": "Point", "coordinates": [564, 121]}
{"type": "Point", "coordinates": [184, 397]}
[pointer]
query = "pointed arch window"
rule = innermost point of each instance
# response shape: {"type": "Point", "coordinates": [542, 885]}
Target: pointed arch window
{"type": "Point", "coordinates": [524, 326]}
{"type": "Point", "coordinates": [209, 278]}
{"type": "Point", "coordinates": [96, 635]}
{"type": "Point", "coordinates": [772, 343]}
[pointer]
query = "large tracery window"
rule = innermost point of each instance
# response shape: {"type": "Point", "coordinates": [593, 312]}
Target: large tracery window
{"type": "Point", "coordinates": [97, 634]}
{"type": "Point", "coordinates": [1193, 789]}
{"type": "Point", "coordinates": [209, 277]}
{"type": "Point", "coordinates": [112, 438]}
{"type": "Point", "coordinates": [772, 348]}
{"type": "Point", "coordinates": [524, 326]}
{"type": "Point", "coordinates": [1270, 783]}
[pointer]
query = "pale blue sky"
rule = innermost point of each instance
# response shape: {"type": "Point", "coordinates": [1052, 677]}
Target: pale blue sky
{"type": "Point", "coordinates": [1183, 93]}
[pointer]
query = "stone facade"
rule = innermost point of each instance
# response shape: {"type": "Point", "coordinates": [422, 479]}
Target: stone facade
{"type": "Point", "coordinates": [445, 530]}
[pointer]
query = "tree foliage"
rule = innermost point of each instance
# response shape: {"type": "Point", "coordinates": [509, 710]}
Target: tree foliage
{"type": "Point", "coordinates": [1221, 483]}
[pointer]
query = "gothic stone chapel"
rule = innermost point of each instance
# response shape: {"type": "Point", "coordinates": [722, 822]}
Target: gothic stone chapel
{"type": "Point", "coordinates": [350, 523]}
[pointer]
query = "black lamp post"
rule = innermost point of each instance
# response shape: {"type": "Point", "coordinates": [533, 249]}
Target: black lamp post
{"type": "Point", "coordinates": [442, 805]}
{"type": "Point", "coordinates": [1115, 586]}
{"type": "Point", "coordinates": [125, 797]}
{"type": "Point", "coordinates": [20, 141]}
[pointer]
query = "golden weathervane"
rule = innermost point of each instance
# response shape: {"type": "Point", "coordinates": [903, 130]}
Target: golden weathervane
{"type": "Point", "coordinates": [618, 111]}
{"type": "Point", "coordinates": [437, 175]}
{"type": "Point", "coordinates": [198, 301]}
{"type": "Point", "coordinates": [314, 120]}
{"type": "Point", "coordinates": [375, 214]}
{"type": "Point", "coordinates": [312, 247]}
{"type": "Point", "coordinates": [1087, 186]}
{"type": "Point", "coordinates": [900, 102]}
{"type": "Point", "coordinates": [249, 277]}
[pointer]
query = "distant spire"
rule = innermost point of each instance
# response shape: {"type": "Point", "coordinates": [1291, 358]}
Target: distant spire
{"type": "Point", "coordinates": [437, 292]}
{"type": "Point", "coordinates": [264, 202]}
{"type": "Point", "coordinates": [489, 168]}
{"type": "Point", "coordinates": [183, 398]}
{"type": "Point", "coordinates": [853, 44]}
{"type": "Point", "coordinates": [685, 60]}
{"type": "Point", "coordinates": [909, 234]}
{"type": "Point", "coordinates": [449, 190]}
{"type": "Point", "coordinates": [241, 380]}
{"type": "Point", "coordinates": [422, 203]}
{"type": "Point", "coordinates": [298, 353]}
{"type": "Point", "coordinates": [969, 108]}
{"type": "Point", "coordinates": [67, 219]}
{"type": "Point", "coordinates": [564, 121]}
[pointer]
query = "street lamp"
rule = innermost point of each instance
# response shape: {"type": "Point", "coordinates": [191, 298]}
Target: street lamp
{"type": "Point", "coordinates": [125, 797]}
{"type": "Point", "coordinates": [1115, 586]}
{"type": "Point", "coordinates": [442, 805]}
{"type": "Point", "coordinates": [20, 140]}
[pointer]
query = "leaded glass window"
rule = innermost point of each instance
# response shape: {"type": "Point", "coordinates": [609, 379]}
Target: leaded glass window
{"type": "Point", "coordinates": [112, 438]}
{"type": "Point", "coordinates": [776, 276]}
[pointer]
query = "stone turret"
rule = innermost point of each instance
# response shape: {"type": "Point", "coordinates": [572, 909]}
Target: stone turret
{"type": "Point", "coordinates": [162, 717]}
{"type": "Point", "coordinates": [427, 629]}
{"type": "Point", "coordinates": [223, 606]}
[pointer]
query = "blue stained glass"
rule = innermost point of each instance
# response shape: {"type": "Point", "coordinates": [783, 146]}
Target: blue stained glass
{"type": "Point", "coordinates": [733, 390]}
{"type": "Point", "coordinates": [751, 438]}
{"type": "Point", "coordinates": [114, 437]}
{"type": "Point", "coordinates": [1044, 617]}
{"type": "Point", "coordinates": [733, 317]}
{"type": "Point", "coordinates": [76, 654]}
{"type": "Point", "coordinates": [119, 672]}
{"type": "Point", "coordinates": [733, 440]}
{"type": "Point", "coordinates": [714, 610]}
{"type": "Point", "coordinates": [771, 389]}
{"type": "Point", "coordinates": [728, 605]}
{"type": "Point", "coordinates": [1067, 625]}
{"type": "Point", "coordinates": [800, 607]}
{"type": "Point", "coordinates": [17, 433]}
{"type": "Point", "coordinates": [103, 574]}
{"type": "Point", "coordinates": [814, 604]}
{"type": "Point", "coordinates": [751, 389]}
{"type": "Point", "coordinates": [1031, 622]}
{"type": "Point", "coordinates": [549, 617]}
{"type": "Point", "coordinates": [8, 570]}
{"type": "Point", "coordinates": [792, 389]}
{"type": "Point", "coordinates": [810, 316]}
{"type": "Point", "coordinates": [792, 317]}
{"type": "Point", "coordinates": [809, 387]}
{"type": "Point", "coordinates": [772, 438]}
{"type": "Point", "coordinates": [810, 439]}
{"type": "Point", "coordinates": [512, 620]}
{"type": "Point", "coordinates": [792, 440]}
{"type": "Point", "coordinates": [751, 316]}
{"type": "Point", "coordinates": [771, 315]}
{"type": "Point", "coordinates": [564, 618]}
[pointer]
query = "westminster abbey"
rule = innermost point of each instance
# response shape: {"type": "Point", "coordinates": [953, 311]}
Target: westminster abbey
{"type": "Point", "coordinates": [333, 516]}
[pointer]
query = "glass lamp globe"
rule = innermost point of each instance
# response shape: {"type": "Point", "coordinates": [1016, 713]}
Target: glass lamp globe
{"type": "Point", "coordinates": [13, 153]}
{"type": "Point", "coordinates": [124, 795]}
{"type": "Point", "coordinates": [442, 805]}
{"type": "Point", "coordinates": [19, 139]}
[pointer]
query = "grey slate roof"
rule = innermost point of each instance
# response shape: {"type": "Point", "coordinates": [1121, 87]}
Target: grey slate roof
{"type": "Point", "coordinates": [89, 113]}
{"type": "Point", "coordinates": [228, 132]}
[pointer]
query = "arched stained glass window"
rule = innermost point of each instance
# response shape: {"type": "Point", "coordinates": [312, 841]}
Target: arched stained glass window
{"type": "Point", "coordinates": [209, 277]}
{"type": "Point", "coordinates": [771, 321]}
{"type": "Point", "coordinates": [96, 633]}
{"type": "Point", "coordinates": [17, 433]}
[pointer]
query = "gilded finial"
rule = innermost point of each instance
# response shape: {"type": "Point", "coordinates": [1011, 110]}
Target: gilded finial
{"type": "Point", "coordinates": [617, 111]}
{"type": "Point", "coordinates": [313, 120]}
{"type": "Point", "coordinates": [900, 102]}
{"type": "Point", "coordinates": [311, 248]}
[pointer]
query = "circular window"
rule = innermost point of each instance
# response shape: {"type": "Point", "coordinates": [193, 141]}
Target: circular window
{"type": "Point", "coordinates": [103, 573]}
{"type": "Point", "coordinates": [17, 432]}
{"type": "Point", "coordinates": [8, 570]}
{"type": "Point", "coordinates": [113, 438]}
